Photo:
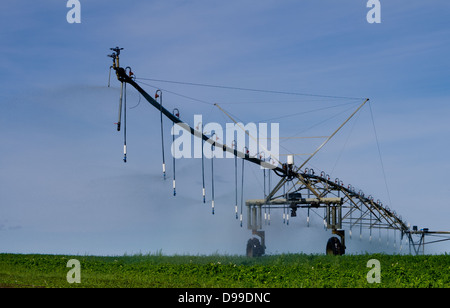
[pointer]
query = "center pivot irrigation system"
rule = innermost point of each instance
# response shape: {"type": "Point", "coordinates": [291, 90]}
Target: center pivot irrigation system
{"type": "Point", "coordinates": [339, 206]}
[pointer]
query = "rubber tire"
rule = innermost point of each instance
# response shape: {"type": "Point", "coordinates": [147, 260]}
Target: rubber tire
{"type": "Point", "coordinates": [334, 247]}
{"type": "Point", "coordinates": [254, 248]}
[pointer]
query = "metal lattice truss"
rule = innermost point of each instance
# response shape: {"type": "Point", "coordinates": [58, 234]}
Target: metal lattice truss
{"type": "Point", "coordinates": [343, 205]}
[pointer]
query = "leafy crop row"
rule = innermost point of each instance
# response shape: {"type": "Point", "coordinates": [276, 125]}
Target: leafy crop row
{"type": "Point", "coordinates": [278, 271]}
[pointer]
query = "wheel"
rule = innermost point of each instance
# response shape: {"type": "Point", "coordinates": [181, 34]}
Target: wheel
{"type": "Point", "coordinates": [254, 248]}
{"type": "Point", "coordinates": [334, 247]}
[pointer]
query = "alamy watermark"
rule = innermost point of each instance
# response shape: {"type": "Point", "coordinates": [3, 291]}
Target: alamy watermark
{"type": "Point", "coordinates": [249, 139]}
{"type": "Point", "coordinates": [74, 14]}
{"type": "Point", "coordinates": [374, 275]}
{"type": "Point", "coordinates": [374, 14]}
{"type": "Point", "coordinates": [74, 275]}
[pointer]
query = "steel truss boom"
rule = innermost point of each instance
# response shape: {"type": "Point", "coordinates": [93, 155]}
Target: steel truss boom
{"type": "Point", "coordinates": [122, 76]}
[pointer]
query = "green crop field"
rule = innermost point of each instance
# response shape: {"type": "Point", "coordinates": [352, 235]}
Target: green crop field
{"type": "Point", "coordinates": [217, 271]}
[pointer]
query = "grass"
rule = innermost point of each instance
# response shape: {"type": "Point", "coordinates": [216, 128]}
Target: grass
{"type": "Point", "coordinates": [219, 271]}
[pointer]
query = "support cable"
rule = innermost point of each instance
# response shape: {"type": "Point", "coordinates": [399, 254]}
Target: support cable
{"type": "Point", "coordinates": [249, 89]}
{"type": "Point", "coordinates": [332, 135]}
{"type": "Point", "coordinates": [246, 132]}
{"type": "Point", "coordinates": [379, 154]}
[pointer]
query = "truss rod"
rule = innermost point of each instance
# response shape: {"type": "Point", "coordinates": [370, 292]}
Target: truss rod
{"type": "Point", "coordinates": [332, 135]}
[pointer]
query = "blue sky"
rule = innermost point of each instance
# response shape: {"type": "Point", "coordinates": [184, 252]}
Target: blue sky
{"type": "Point", "coordinates": [65, 189]}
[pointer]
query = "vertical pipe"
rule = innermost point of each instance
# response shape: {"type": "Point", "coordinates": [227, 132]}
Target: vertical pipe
{"type": "Point", "coordinates": [176, 113]}
{"type": "Point", "coordinates": [269, 188]}
{"type": "Point", "coordinates": [333, 218]}
{"type": "Point", "coordinates": [125, 123]}
{"type": "Point", "coordinates": [109, 78]}
{"type": "Point", "coordinates": [351, 223]}
{"type": "Point", "coordinates": [259, 217]}
{"type": "Point", "coordinates": [174, 178]}
{"type": "Point", "coordinates": [242, 189]}
{"type": "Point", "coordinates": [360, 226]}
{"type": "Point", "coordinates": [264, 177]}
{"type": "Point", "coordinates": [423, 243]}
{"type": "Point", "coordinates": [235, 182]}
{"type": "Point", "coordinates": [269, 179]}
{"type": "Point", "coordinates": [203, 167]}
{"type": "Point", "coordinates": [339, 209]}
{"type": "Point", "coordinates": [249, 217]}
{"type": "Point", "coordinates": [264, 184]}
{"type": "Point", "coordinates": [212, 177]}
{"type": "Point", "coordinates": [307, 218]}
{"type": "Point", "coordinates": [120, 107]}
{"type": "Point", "coordinates": [162, 131]}
{"type": "Point", "coordinates": [254, 218]}
{"type": "Point", "coordinates": [409, 242]}
{"type": "Point", "coordinates": [262, 157]}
